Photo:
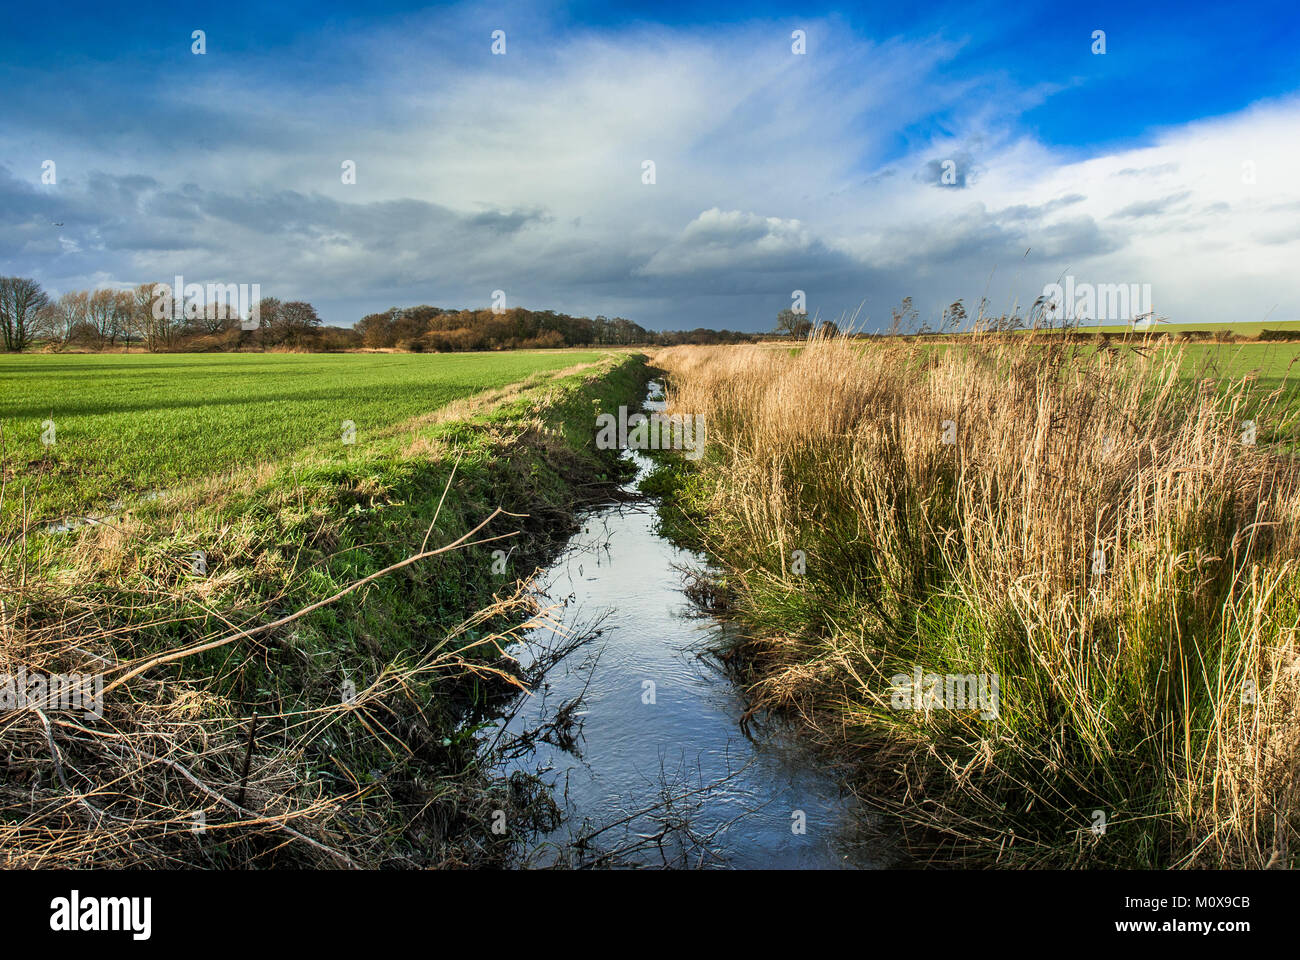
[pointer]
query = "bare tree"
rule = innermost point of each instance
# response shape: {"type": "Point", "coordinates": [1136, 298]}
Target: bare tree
{"type": "Point", "coordinates": [217, 316]}
{"type": "Point", "coordinates": [299, 321]}
{"type": "Point", "coordinates": [151, 317]}
{"type": "Point", "coordinates": [291, 323]}
{"type": "Point", "coordinates": [64, 318]}
{"type": "Point", "coordinates": [103, 314]}
{"type": "Point", "coordinates": [791, 324]}
{"type": "Point", "coordinates": [21, 303]}
{"type": "Point", "coordinates": [123, 316]}
{"type": "Point", "coordinates": [268, 324]}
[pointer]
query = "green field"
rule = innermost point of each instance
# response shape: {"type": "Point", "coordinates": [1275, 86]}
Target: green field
{"type": "Point", "coordinates": [125, 425]}
{"type": "Point", "coordinates": [370, 562]}
{"type": "Point", "coordinates": [1240, 328]}
{"type": "Point", "coordinates": [1272, 364]}
{"type": "Point", "coordinates": [128, 424]}
{"type": "Point", "coordinates": [1271, 372]}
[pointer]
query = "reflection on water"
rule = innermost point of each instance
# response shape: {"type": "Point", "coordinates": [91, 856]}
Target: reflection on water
{"type": "Point", "coordinates": [654, 768]}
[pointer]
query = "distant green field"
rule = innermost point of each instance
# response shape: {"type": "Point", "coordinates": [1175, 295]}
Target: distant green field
{"type": "Point", "coordinates": [1273, 370]}
{"type": "Point", "coordinates": [128, 424]}
{"type": "Point", "coordinates": [1240, 329]}
{"type": "Point", "coordinates": [1270, 363]}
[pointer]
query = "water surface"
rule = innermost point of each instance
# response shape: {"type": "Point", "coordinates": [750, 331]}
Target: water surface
{"type": "Point", "coordinates": [654, 767]}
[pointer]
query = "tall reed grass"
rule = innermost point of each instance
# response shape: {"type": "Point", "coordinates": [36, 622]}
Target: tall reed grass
{"type": "Point", "coordinates": [1097, 531]}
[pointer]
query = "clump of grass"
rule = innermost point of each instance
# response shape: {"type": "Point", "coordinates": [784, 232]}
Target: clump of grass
{"type": "Point", "coordinates": [175, 774]}
{"type": "Point", "coordinates": [1096, 533]}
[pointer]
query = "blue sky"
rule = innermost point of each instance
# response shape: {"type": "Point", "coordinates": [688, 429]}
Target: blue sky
{"type": "Point", "coordinates": [1171, 159]}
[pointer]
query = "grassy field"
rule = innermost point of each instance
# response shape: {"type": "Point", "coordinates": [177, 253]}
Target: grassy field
{"type": "Point", "coordinates": [1269, 371]}
{"type": "Point", "coordinates": [1268, 361]}
{"type": "Point", "coordinates": [350, 607]}
{"type": "Point", "coordinates": [1241, 329]}
{"type": "Point", "coordinates": [126, 425]}
{"type": "Point", "coordinates": [1093, 527]}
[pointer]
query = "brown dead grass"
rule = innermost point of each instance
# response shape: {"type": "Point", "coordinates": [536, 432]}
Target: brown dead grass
{"type": "Point", "coordinates": [1122, 685]}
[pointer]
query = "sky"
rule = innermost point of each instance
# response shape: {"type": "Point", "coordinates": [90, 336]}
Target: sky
{"type": "Point", "coordinates": [941, 151]}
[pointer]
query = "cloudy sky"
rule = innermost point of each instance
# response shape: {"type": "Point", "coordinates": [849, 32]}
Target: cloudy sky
{"type": "Point", "coordinates": [937, 150]}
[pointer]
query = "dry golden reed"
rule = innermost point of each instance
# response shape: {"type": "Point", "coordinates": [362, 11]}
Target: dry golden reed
{"type": "Point", "coordinates": [1094, 526]}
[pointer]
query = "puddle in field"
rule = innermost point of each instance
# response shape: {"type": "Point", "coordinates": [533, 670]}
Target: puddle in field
{"type": "Point", "coordinates": [654, 768]}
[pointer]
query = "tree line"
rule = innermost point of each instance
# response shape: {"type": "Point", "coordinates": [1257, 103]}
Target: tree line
{"type": "Point", "coordinates": [441, 329]}
{"type": "Point", "coordinates": [109, 318]}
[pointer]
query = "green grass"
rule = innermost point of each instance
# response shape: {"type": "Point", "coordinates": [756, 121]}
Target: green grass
{"type": "Point", "coordinates": [402, 780]}
{"type": "Point", "coordinates": [1270, 362]}
{"type": "Point", "coordinates": [1240, 328]}
{"type": "Point", "coordinates": [125, 425]}
{"type": "Point", "coordinates": [1273, 369]}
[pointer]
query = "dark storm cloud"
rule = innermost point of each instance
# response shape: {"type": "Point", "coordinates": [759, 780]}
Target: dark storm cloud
{"type": "Point", "coordinates": [131, 227]}
{"type": "Point", "coordinates": [977, 238]}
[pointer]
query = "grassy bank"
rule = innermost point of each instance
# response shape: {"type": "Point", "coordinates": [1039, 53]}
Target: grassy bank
{"type": "Point", "coordinates": [1093, 531]}
{"type": "Point", "coordinates": [296, 652]}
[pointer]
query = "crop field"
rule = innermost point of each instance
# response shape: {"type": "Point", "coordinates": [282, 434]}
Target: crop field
{"type": "Point", "coordinates": [1240, 328]}
{"type": "Point", "coordinates": [1269, 363]}
{"type": "Point", "coordinates": [81, 432]}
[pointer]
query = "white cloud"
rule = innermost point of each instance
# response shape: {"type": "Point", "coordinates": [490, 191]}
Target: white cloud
{"type": "Point", "coordinates": [523, 173]}
{"type": "Point", "coordinates": [732, 240]}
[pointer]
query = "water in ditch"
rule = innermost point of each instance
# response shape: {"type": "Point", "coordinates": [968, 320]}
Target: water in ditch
{"type": "Point", "coordinates": [649, 761]}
